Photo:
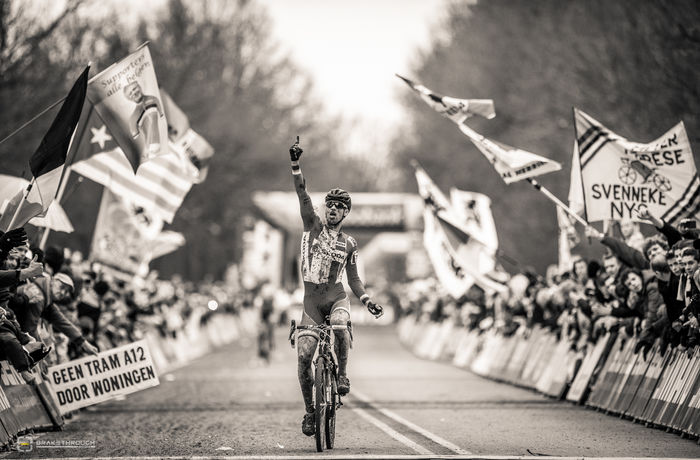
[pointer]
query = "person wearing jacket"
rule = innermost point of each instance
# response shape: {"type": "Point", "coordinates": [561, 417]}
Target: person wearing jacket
{"type": "Point", "coordinates": [41, 293]}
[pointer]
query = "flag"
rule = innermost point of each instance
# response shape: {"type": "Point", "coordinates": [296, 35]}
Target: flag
{"type": "Point", "coordinates": [193, 148]}
{"type": "Point", "coordinates": [458, 258]}
{"type": "Point", "coordinates": [55, 219]}
{"type": "Point", "coordinates": [576, 200]}
{"type": "Point", "coordinates": [568, 238]}
{"type": "Point", "coordinates": [511, 163]}
{"type": "Point", "coordinates": [127, 99]}
{"type": "Point", "coordinates": [12, 188]}
{"type": "Point", "coordinates": [197, 153]}
{"type": "Point", "coordinates": [178, 123]}
{"type": "Point", "coordinates": [47, 163]}
{"type": "Point", "coordinates": [455, 109]}
{"type": "Point", "coordinates": [166, 242]}
{"type": "Point", "coordinates": [123, 235]}
{"type": "Point", "coordinates": [160, 185]}
{"type": "Point", "coordinates": [621, 177]}
{"type": "Point", "coordinates": [474, 210]}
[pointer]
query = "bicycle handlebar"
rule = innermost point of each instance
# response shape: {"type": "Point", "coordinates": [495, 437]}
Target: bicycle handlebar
{"type": "Point", "coordinates": [335, 327]}
{"type": "Point", "coordinates": [322, 327]}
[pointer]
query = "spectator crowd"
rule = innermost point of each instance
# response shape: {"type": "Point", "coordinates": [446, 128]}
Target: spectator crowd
{"type": "Point", "coordinates": [56, 306]}
{"type": "Point", "coordinates": [645, 288]}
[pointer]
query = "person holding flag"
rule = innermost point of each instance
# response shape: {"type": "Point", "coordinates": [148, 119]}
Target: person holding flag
{"type": "Point", "coordinates": [325, 252]}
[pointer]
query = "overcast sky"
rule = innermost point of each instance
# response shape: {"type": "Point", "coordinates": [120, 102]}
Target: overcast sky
{"type": "Point", "coordinates": [352, 48]}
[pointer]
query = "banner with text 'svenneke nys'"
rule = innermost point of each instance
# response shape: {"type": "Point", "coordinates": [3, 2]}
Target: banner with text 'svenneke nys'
{"type": "Point", "coordinates": [94, 379]}
{"type": "Point", "coordinates": [621, 177]}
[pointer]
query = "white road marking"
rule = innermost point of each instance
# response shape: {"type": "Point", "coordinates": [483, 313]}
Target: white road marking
{"type": "Point", "coordinates": [394, 416]}
{"type": "Point", "coordinates": [377, 457]}
{"type": "Point", "coordinates": [391, 432]}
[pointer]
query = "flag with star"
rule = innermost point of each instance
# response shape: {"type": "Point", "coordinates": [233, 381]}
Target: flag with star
{"type": "Point", "coordinates": [159, 186]}
{"type": "Point", "coordinates": [91, 137]}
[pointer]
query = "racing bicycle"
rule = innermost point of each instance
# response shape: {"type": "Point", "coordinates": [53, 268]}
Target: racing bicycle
{"type": "Point", "coordinates": [326, 398]}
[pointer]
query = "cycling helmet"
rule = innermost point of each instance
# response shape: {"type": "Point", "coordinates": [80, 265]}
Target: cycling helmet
{"type": "Point", "coordinates": [340, 195]}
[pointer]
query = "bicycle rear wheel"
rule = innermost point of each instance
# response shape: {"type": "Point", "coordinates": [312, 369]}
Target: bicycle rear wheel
{"type": "Point", "coordinates": [320, 404]}
{"type": "Point", "coordinates": [332, 386]}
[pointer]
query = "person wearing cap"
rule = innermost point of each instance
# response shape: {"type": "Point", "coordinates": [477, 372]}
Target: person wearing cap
{"type": "Point", "coordinates": [42, 292]}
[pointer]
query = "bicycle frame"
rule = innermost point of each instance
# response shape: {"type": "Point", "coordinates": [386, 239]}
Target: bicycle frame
{"type": "Point", "coordinates": [327, 399]}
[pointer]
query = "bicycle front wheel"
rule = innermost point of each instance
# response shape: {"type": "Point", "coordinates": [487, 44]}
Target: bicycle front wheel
{"type": "Point", "coordinates": [320, 405]}
{"type": "Point", "coordinates": [332, 388]}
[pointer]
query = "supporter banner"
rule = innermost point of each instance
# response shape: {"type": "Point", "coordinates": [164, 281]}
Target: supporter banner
{"type": "Point", "coordinates": [197, 152]}
{"type": "Point", "coordinates": [456, 110]}
{"type": "Point", "coordinates": [511, 163]}
{"type": "Point", "coordinates": [459, 258]}
{"type": "Point", "coordinates": [127, 98]}
{"type": "Point", "coordinates": [474, 211]}
{"type": "Point", "coordinates": [621, 177]}
{"type": "Point", "coordinates": [123, 235]}
{"type": "Point", "coordinates": [178, 123]}
{"type": "Point", "coordinates": [166, 242]}
{"type": "Point", "coordinates": [184, 141]}
{"type": "Point", "coordinates": [453, 277]}
{"type": "Point", "coordinates": [94, 379]}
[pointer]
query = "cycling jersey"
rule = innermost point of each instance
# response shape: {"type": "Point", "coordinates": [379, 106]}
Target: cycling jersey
{"type": "Point", "coordinates": [325, 253]}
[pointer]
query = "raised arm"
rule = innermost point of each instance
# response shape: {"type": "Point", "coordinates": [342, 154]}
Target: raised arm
{"type": "Point", "coordinates": [305, 204]}
{"type": "Point", "coordinates": [671, 233]}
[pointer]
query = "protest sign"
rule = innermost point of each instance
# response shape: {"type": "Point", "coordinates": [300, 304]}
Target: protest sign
{"type": "Point", "coordinates": [95, 379]}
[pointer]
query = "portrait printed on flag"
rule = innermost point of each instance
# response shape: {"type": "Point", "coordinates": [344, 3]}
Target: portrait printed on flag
{"type": "Point", "coordinates": [127, 98]}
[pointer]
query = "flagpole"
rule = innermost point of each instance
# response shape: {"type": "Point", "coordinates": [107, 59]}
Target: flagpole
{"type": "Point", "coordinates": [557, 201]}
{"type": "Point", "coordinates": [474, 135]}
{"type": "Point", "coordinates": [21, 203]}
{"type": "Point", "coordinates": [82, 127]}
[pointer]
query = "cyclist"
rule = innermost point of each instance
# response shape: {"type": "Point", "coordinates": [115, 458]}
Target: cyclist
{"type": "Point", "coordinates": [325, 252]}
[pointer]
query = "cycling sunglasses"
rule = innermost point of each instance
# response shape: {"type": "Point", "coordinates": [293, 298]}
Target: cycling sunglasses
{"type": "Point", "coordinates": [335, 204]}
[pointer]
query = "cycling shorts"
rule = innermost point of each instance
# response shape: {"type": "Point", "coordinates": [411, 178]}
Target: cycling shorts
{"type": "Point", "coordinates": [319, 304]}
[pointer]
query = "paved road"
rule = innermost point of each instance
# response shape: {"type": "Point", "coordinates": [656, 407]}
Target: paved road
{"type": "Point", "coordinates": [228, 404]}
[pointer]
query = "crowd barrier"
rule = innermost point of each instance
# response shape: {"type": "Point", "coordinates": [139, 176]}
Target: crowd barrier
{"type": "Point", "coordinates": [660, 390]}
{"type": "Point", "coordinates": [26, 408]}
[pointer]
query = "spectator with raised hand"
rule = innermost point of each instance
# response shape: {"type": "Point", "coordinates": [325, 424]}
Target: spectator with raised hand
{"type": "Point", "coordinates": [670, 232]}
{"type": "Point", "coordinates": [41, 293]}
{"type": "Point", "coordinates": [626, 254]}
{"type": "Point", "coordinates": [11, 239]}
